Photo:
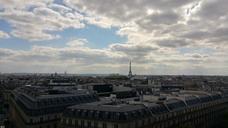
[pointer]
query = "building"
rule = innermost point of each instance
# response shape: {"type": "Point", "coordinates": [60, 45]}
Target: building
{"type": "Point", "coordinates": [62, 82]}
{"type": "Point", "coordinates": [187, 109]}
{"type": "Point", "coordinates": [42, 107]}
{"type": "Point", "coordinates": [99, 87]}
{"type": "Point", "coordinates": [106, 90]}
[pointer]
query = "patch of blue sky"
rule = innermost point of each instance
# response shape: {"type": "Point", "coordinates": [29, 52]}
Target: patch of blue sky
{"type": "Point", "coordinates": [15, 44]}
{"type": "Point", "coordinates": [12, 42]}
{"type": "Point", "coordinates": [58, 1]}
{"type": "Point", "coordinates": [97, 37]}
{"type": "Point", "coordinates": [5, 26]}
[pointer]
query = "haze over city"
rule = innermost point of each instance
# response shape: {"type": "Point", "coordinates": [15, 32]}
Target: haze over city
{"type": "Point", "coordinates": [181, 37]}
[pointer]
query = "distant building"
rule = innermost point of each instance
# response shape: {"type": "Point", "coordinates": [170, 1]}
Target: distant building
{"type": "Point", "coordinates": [62, 82]}
{"type": "Point", "coordinates": [42, 107]}
{"type": "Point", "coordinates": [99, 87]}
{"type": "Point", "coordinates": [105, 89]}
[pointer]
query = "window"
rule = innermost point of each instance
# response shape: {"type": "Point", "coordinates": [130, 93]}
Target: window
{"type": "Point", "coordinates": [115, 125]}
{"type": "Point", "coordinates": [104, 125]}
{"type": "Point", "coordinates": [76, 123]}
{"type": "Point", "coordinates": [143, 122]}
{"type": "Point", "coordinates": [64, 121]}
{"type": "Point", "coordinates": [56, 116]}
{"type": "Point", "coordinates": [95, 125]}
{"type": "Point", "coordinates": [31, 121]}
{"type": "Point", "coordinates": [89, 124]}
{"type": "Point", "coordinates": [136, 124]}
{"type": "Point", "coordinates": [41, 119]}
{"type": "Point", "coordinates": [55, 125]}
{"type": "Point", "coordinates": [70, 121]}
{"type": "Point", "coordinates": [82, 124]}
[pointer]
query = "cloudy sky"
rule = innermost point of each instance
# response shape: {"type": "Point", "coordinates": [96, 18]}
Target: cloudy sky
{"type": "Point", "coordinates": [101, 36]}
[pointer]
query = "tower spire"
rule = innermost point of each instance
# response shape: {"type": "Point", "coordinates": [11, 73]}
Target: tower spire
{"type": "Point", "coordinates": [130, 72]}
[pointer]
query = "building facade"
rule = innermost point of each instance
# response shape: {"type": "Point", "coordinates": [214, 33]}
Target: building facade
{"type": "Point", "coordinates": [191, 110]}
{"type": "Point", "coordinates": [42, 107]}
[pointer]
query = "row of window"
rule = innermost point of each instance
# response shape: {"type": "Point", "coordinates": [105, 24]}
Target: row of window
{"type": "Point", "coordinates": [41, 119]}
{"type": "Point", "coordinates": [87, 124]}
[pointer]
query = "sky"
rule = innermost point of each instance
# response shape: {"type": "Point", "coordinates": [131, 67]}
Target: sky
{"type": "Point", "coordinates": [160, 37]}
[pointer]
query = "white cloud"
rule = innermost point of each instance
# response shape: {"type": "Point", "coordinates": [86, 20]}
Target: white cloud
{"type": "Point", "coordinates": [34, 21]}
{"type": "Point", "coordinates": [4, 34]}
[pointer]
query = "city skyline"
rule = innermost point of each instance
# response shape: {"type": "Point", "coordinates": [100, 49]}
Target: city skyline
{"type": "Point", "coordinates": [101, 36]}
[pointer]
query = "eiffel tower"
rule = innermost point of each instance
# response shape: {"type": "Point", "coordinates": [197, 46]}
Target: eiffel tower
{"type": "Point", "coordinates": [130, 72]}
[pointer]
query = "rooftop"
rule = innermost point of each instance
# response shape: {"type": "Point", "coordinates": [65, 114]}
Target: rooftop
{"type": "Point", "coordinates": [37, 100]}
{"type": "Point", "coordinates": [130, 110]}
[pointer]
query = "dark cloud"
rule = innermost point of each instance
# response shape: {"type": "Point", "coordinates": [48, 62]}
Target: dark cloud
{"type": "Point", "coordinates": [5, 52]}
{"type": "Point", "coordinates": [125, 10]}
{"type": "Point", "coordinates": [213, 10]}
{"type": "Point", "coordinates": [131, 49]}
{"type": "Point", "coordinates": [174, 43]}
{"type": "Point", "coordinates": [216, 36]}
{"type": "Point", "coordinates": [166, 18]}
{"type": "Point", "coordinates": [198, 35]}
